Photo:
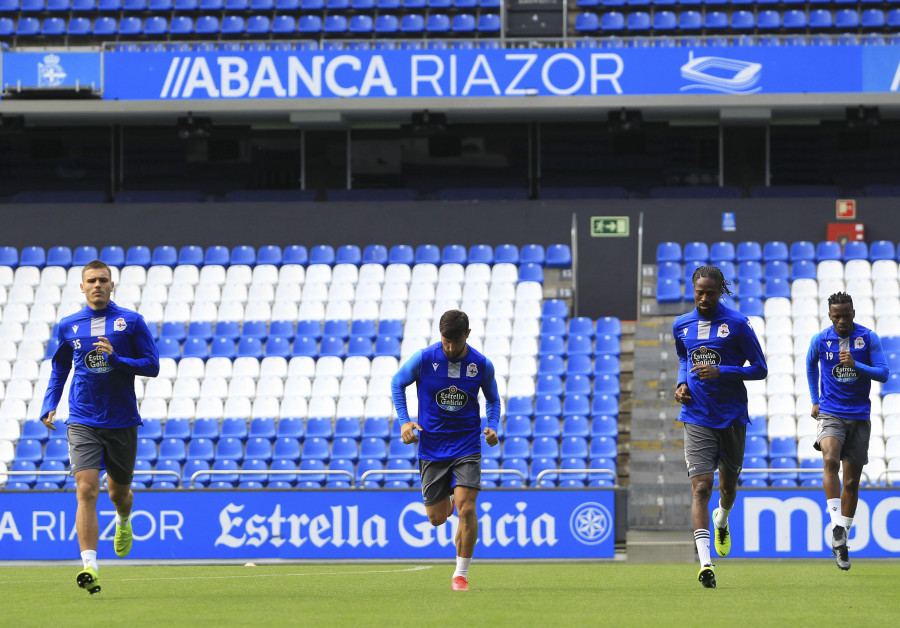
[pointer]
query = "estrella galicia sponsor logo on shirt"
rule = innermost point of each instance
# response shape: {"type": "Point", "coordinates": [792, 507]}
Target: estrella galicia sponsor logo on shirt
{"type": "Point", "coordinates": [844, 374]}
{"type": "Point", "coordinates": [704, 356]}
{"type": "Point", "coordinates": [96, 362]}
{"type": "Point", "coordinates": [451, 399]}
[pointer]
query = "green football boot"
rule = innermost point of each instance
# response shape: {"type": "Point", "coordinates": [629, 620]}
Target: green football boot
{"type": "Point", "coordinates": [707, 576]}
{"type": "Point", "coordinates": [122, 542]}
{"type": "Point", "coordinates": [722, 539]}
{"type": "Point", "coordinates": [89, 580]}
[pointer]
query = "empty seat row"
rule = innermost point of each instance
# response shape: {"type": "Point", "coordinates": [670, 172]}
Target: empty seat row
{"type": "Point", "coordinates": [662, 21]}
{"type": "Point", "coordinates": [253, 25]}
{"type": "Point", "coordinates": [775, 251]}
{"type": "Point", "coordinates": [554, 256]}
{"type": "Point", "coordinates": [236, 5]}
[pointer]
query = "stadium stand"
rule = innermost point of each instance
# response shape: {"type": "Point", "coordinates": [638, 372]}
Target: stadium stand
{"type": "Point", "coordinates": [254, 391]}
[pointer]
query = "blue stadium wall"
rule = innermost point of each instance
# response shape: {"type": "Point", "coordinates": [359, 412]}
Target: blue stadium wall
{"type": "Point", "coordinates": [607, 267]}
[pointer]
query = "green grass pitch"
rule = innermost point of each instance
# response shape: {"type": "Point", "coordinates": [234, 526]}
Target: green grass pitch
{"type": "Point", "coordinates": [750, 593]}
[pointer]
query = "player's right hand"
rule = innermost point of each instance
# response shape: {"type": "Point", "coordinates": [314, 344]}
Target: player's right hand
{"type": "Point", "coordinates": [682, 394]}
{"type": "Point", "coordinates": [815, 411]}
{"type": "Point", "coordinates": [48, 420]}
{"type": "Point", "coordinates": [408, 432]}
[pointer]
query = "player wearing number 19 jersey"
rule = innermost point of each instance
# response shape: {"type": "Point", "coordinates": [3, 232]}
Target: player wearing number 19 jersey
{"type": "Point", "coordinates": [849, 357]}
{"type": "Point", "coordinates": [713, 342]}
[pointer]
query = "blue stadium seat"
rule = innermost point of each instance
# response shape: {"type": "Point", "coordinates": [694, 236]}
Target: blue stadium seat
{"type": "Point", "coordinates": [454, 254]}
{"type": "Point", "coordinates": [606, 364]}
{"type": "Point", "coordinates": [742, 20]}
{"type": "Point", "coordinates": [156, 25]}
{"type": "Point", "coordinates": [843, 18]}
{"type": "Point", "coordinates": [222, 348]}
{"type": "Point", "coordinates": [284, 24]}
{"type": "Point", "coordinates": [234, 427]}
{"type": "Point", "coordinates": [437, 23]}
{"type": "Point", "coordinates": [794, 18]}
{"type": "Point", "coordinates": [489, 23]}
{"type": "Point", "coordinates": [555, 307]}
{"type": "Point", "coordinates": [130, 26]}
{"type": "Point", "coordinates": [228, 329]}
{"type": "Point", "coordinates": [55, 26]}
{"type": "Point", "coordinates": [322, 254]}
{"type": "Point", "coordinates": [668, 252]}
{"type": "Point", "coordinates": [259, 25]}
{"type": "Point", "coordinates": [53, 6]}
{"type": "Point", "coordinates": [319, 427]}
{"type": "Point", "coordinates": [113, 256]}
{"type": "Point", "coordinates": [531, 272]}
{"type": "Point", "coordinates": [715, 20]}
{"type": "Point", "coordinates": [587, 22]}
{"type": "Point", "coordinates": [172, 449]}
{"type": "Point", "coordinates": [296, 254]}
{"type": "Point", "coordinates": [777, 287]}
{"type": "Point", "coordinates": [292, 428]}
{"type": "Point", "coordinates": [878, 250]}
{"type": "Point", "coordinates": [532, 254]}
{"type": "Point", "coordinates": [820, 19]}
{"type": "Point", "coordinates": [664, 21]}
{"type": "Point", "coordinates": [855, 249]}
{"type": "Point", "coordinates": [347, 427]}
{"type": "Point", "coordinates": [545, 405]}
{"type": "Point", "coordinates": [612, 21]}
{"type": "Point", "coordinates": [201, 449]}
{"type": "Point", "coordinates": [690, 20]}
{"type": "Point", "coordinates": [386, 23]}
{"type": "Point", "coordinates": [229, 449]}
{"type": "Point", "coordinates": [768, 20]}
{"type": "Point", "coordinates": [169, 348]}
{"type": "Point", "coordinates": [278, 346]}
{"type": "Point", "coordinates": [804, 269]}
{"type": "Point", "coordinates": [776, 268]}
{"type": "Point", "coordinates": [412, 23]}
{"type": "Point", "coordinates": [335, 24]}
{"type": "Point", "coordinates": [33, 256]}
{"type": "Point", "coordinates": [84, 254]}
{"type": "Point", "coordinates": [216, 254]}
{"type": "Point", "coordinates": [258, 448]}
{"type": "Point", "coordinates": [803, 250]}
{"type": "Point", "coordinates": [428, 254]}
{"type": "Point", "coordinates": [828, 250]}
{"type": "Point", "coordinates": [722, 251]}
{"type": "Point", "coordinates": [668, 291]}
{"type": "Point", "coordinates": [775, 252]}
{"type": "Point", "coordinates": [188, 255]}
{"type": "Point", "coordinates": [669, 270]}
{"type": "Point", "coordinates": [696, 252]}
{"type": "Point", "coordinates": [546, 426]}
{"type": "Point", "coordinates": [549, 385]}
{"type": "Point", "coordinates": [463, 23]}
{"type": "Point", "coordinates": [559, 256]}
{"type": "Point", "coordinates": [872, 18]}
{"type": "Point", "coordinates": [748, 251]}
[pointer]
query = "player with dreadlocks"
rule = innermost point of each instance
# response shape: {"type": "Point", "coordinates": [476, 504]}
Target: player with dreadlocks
{"type": "Point", "coordinates": [713, 342]}
{"type": "Point", "coordinates": [849, 357]}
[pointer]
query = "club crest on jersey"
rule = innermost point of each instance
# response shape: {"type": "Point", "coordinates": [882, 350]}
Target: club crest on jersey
{"type": "Point", "coordinates": [451, 399]}
{"type": "Point", "coordinates": [471, 370]}
{"type": "Point", "coordinates": [119, 324]}
{"type": "Point", "coordinates": [723, 331]}
{"type": "Point", "coordinates": [859, 343]}
{"type": "Point", "coordinates": [704, 356]}
{"type": "Point", "coordinates": [95, 361]}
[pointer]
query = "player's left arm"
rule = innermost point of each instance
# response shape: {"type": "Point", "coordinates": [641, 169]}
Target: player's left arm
{"type": "Point", "coordinates": [752, 352]}
{"type": "Point", "coordinates": [878, 370]}
{"type": "Point", "coordinates": [492, 403]}
{"type": "Point", "coordinates": [147, 362]}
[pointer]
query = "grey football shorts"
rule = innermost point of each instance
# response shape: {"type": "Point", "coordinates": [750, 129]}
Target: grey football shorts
{"type": "Point", "coordinates": [437, 476]}
{"type": "Point", "coordinates": [707, 449]}
{"type": "Point", "coordinates": [853, 434]}
{"type": "Point", "coordinates": [113, 449]}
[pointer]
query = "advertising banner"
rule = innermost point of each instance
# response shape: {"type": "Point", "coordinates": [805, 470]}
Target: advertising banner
{"type": "Point", "coordinates": [794, 524]}
{"type": "Point", "coordinates": [449, 73]}
{"type": "Point", "coordinates": [52, 70]}
{"type": "Point", "coordinates": [212, 524]}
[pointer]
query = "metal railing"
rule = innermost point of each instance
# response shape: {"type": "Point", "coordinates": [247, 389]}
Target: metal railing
{"type": "Point", "coordinates": [197, 474]}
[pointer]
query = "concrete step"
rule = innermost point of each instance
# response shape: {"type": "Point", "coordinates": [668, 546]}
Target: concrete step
{"type": "Point", "coordinates": [660, 546]}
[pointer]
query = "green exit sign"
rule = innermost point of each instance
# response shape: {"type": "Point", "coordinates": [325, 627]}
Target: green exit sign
{"type": "Point", "coordinates": [609, 226]}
